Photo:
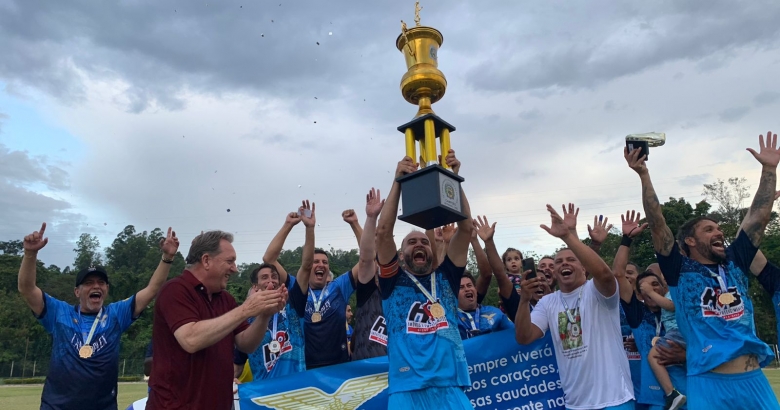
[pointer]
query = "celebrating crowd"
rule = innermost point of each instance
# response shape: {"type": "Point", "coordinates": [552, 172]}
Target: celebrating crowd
{"type": "Point", "coordinates": [676, 334]}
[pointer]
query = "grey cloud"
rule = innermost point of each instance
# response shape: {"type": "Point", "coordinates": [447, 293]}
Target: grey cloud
{"type": "Point", "coordinates": [695, 180]}
{"type": "Point", "coordinates": [766, 98]}
{"type": "Point", "coordinates": [733, 114]}
{"type": "Point", "coordinates": [17, 167]}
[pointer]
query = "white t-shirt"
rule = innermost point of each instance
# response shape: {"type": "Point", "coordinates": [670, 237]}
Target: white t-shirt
{"type": "Point", "coordinates": [589, 349]}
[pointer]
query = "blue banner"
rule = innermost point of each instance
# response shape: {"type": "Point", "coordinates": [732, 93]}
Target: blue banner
{"type": "Point", "coordinates": [504, 375]}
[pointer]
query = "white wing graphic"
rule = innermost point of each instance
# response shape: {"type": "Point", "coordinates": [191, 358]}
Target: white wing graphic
{"type": "Point", "coordinates": [349, 396]}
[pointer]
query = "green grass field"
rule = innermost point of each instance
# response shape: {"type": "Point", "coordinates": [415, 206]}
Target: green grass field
{"type": "Point", "coordinates": [29, 397]}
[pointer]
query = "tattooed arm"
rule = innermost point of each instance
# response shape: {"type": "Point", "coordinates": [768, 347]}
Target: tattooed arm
{"type": "Point", "coordinates": [761, 208]}
{"type": "Point", "coordinates": [663, 238]}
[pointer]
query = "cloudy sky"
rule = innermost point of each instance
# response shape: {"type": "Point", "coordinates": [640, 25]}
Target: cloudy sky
{"type": "Point", "coordinates": [168, 113]}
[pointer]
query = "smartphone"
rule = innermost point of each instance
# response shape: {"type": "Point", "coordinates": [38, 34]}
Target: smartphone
{"type": "Point", "coordinates": [643, 145]}
{"type": "Point", "coordinates": [529, 264]}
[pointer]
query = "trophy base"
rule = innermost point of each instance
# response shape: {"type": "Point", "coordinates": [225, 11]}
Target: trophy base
{"type": "Point", "coordinates": [430, 197]}
{"type": "Point", "coordinates": [418, 126]}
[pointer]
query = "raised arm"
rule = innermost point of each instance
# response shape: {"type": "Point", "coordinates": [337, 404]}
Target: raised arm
{"type": "Point", "coordinates": [274, 249]}
{"type": "Point", "coordinates": [603, 278]}
{"type": "Point", "coordinates": [31, 293]}
{"type": "Point", "coordinates": [663, 238]}
{"type": "Point", "coordinates": [366, 265]}
{"type": "Point", "coordinates": [350, 217]}
{"type": "Point", "coordinates": [437, 244]}
{"type": "Point", "coordinates": [631, 228]}
{"type": "Point", "coordinates": [458, 249]}
{"type": "Point", "coordinates": [761, 208]}
{"type": "Point", "coordinates": [483, 265]}
{"type": "Point", "coordinates": [307, 260]}
{"type": "Point", "coordinates": [660, 300]}
{"type": "Point", "coordinates": [525, 331]}
{"type": "Point", "coordinates": [385, 245]}
{"type": "Point", "coordinates": [169, 246]}
{"type": "Point", "coordinates": [599, 233]}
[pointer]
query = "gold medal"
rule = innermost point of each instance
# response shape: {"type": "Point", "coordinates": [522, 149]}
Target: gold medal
{"type": "Point", "coordinates": [437, 311]}
{"type": "Point", "coordinates": [85, 352]}
{"type": "Point", "coordinates": [654, 341]}
{"type": "Point", "coordinates": [726, 298]}
{"type": "Point", "coordinates": [274, 346]}
{"type": "Point", "coordinates": [316, 317]}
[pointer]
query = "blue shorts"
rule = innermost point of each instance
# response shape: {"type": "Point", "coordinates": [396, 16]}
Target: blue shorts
{"type": "Point", "coordinates": [629, 405]}
{"type": "Point", "coordinates": [433, 398]}
{"type": "Point", "coordinates": [714, 391]}
{"type": "Point", "coordinates": [673, 335]}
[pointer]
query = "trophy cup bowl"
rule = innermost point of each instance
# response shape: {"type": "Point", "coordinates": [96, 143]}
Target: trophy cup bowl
{"type": "Point", "coordinates": [422, 84]}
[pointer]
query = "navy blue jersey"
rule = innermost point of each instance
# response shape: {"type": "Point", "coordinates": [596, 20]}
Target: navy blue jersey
{"type": "Point", "coordinates": [423, 351]}
{"type": "Point", "coordinates": [483, 320]}
{"type": "Point", "coordinates": [769, 278]}
{"type": "Point", "coordinates": [73, 382]}
{"type": "Point", "coordinates": [326, 341]}
{"type": "Point", "coordinates": [267, 364]}
{"type": "Point", "coordinates": [370, 337]}
{"type": "Point", "coordinates": [715, 333]}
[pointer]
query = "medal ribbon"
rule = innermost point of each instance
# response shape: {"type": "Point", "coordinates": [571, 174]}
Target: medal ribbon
{"type": "Point", "coordinates": [94, 326]}
{"type": "Point", "coordinates": [721, 278]}
{"type": "Point", "coordinates": [432, 295]}
{"type": "Point", "coordinates": [576, 306]}
{"type": "Point", "coordinates": [317, 301]}
{"type": "Point", "coordinates": [474, 325]}
{"type": "Point", "coordinates": [657, 326]}
{"type": "Point", "coordinates": [273, 329]}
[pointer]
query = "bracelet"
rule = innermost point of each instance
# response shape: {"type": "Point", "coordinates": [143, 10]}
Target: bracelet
{"type": "Point", "coordinates": [168, 261]}
{"type": "Point", "coordinates": [626, 241]}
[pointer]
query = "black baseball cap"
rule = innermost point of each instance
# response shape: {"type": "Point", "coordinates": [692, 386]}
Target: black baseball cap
{"type": "Point", "coordinates": [92, 270]}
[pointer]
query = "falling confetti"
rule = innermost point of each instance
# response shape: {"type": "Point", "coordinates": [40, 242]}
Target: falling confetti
{"type": "Point", "coordinates": [272, 21]}
{"type": "Point", "coordinates": [315, 122]}
{"type": "Point", "coordinates": [299, 186]}
{"type": "Point", "coordinates": [262, 35]}
{"type": "Point", "coordinates": [318, 43]}
{"type": "Point", "coordinates": [228, 209]}
{"type": "Point", "coordinates": [315, 98]}
{"type": "Point", "coordinates": [104, 224]}
{"type": "Point", "coordinates": [330, 33]}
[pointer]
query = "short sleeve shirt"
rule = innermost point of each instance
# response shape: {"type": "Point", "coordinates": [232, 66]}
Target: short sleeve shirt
{"type": "Point", "coordinates": [73, 382]}
{"type": "Point", "coordinates": [370, 337]}
{"type": "Point", "coordinates": [715, 333]}
{"type": "Point", "coordinates": [326, 340]}
{"type": "Point", "coordinates": [192, 381]}
{"type": "Point", "coordinates": [438, 359]}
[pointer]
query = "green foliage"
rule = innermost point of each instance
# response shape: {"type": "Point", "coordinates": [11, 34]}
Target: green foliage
{"type": "Point", "coordinates": [26, 380]}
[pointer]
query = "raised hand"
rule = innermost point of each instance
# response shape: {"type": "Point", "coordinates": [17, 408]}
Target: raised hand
{"type": "Point", "coordinates": [447, 232]}
{"type": "Point", "coordinates": [169, 244]}
{"type": "Point", "coordinates": [438, 236]}
{"type": "Point", "coordinates": [529, 287]}
{"type": "Point", "coordinates": [768, 153]}
{"type": "Point", "coordinates": [631, 226]}
{"type": "Point", "coordinates": [634, 160]}
{"type": "Point", "coordinates": [600, 229]}
{"type": "Point", "coordinates": [484, 229]}
{"type": "Point", "coordinates": [293, 218]}
{"type": "Point", "coordinates": [374, 203]}
{"type": "Point", "coordinates": [305, 210]}
{"type": "Point", "coordinates": [557, 227]}
{"type": "Point", "coordinates": [35, 241]}
{"type": "Point", "coordinates": [349, 216]}
{"type": "Point", "coordinates": [451, 161]}
{"type": "Point", "coordinates": [405, 166]}
{"type": "Point", "coordinates": [570, 217]}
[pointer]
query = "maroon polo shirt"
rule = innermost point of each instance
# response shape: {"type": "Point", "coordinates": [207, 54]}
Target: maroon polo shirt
{"type": "Point", "coordinates": [180, 380]}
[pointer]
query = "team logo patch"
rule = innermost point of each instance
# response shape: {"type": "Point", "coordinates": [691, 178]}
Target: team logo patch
{"type": "Point", "coordinates": [379, 331]}
{"type": "Point", "coordinates": [270, 358]}
{"type": "Point", "coordinates": [420, 320]}
{"type": "Point", "coordinates": [711, 306]}
{"type": "Point", "coordinates": [352, 394]}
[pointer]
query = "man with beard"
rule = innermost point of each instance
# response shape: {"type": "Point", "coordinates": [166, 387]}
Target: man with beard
{"type": "Point", "coordinates": [710, 291]}
{"type": "Point", "coordinates": [585, 320]}
{"type": "Point", "coordinates": [474, 319]}
{"type": "Point", "coordinates": [321, 303]}
{"type": "Point", "coordinates": [197, 324]}
{"type": "Point", "coordinates": [427, 362]}
{"type": "Point", "coordinates": [85, 337]}
{"type": "Point", "coordinates": [546, 267]}
{"type": "Point", "coordinates": [370, 335]}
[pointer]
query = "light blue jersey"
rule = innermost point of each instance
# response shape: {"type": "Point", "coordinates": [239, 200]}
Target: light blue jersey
{"type": "Point", "coordinates": [291, 355]}
{"type": "Point", "coordinates": [74, 382]}
{"type": "Point", "coordinates": [423, 351]}
{"type": "Point", "coordinates": [715, 332]}
{"type": "Point", "coordinates": [483, 320]}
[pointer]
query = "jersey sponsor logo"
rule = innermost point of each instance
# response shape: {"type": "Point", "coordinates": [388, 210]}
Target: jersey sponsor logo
{"type": "Point", "coordinates": [98, 344]}
{"type": "Point", "coordinates": [270, 358]}
{"type": "Point", "coordinates": [351, 395]}
{"type": "Point", "coordinates": [379, 331]}
{"type": "Point", "coordinates": [631, 352]}
{"type": "Point", "coordinates": [711, 306]}
{"type": "Point", "coordinates": [420, 320]}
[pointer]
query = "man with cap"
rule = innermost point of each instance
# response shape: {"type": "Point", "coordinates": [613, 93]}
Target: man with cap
{"type": "Point", "coordinates": [85, 346]}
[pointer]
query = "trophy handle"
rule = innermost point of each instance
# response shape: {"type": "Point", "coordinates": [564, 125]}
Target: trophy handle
{"type": "Point", "coordinates": [409, 46]}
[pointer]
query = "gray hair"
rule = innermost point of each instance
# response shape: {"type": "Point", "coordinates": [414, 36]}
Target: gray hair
{"type": "Point", "coordinates": [207, 243]}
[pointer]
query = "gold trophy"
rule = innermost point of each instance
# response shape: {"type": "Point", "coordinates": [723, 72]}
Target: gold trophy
{"type": "Point", "coordinates": [645, 141]}
{"type": "Point", "coordinates": [431, 195]}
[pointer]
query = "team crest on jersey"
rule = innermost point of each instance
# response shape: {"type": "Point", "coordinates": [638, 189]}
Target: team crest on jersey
{"type": "Point", "coordinates": [270, 358]}
{"type": "Point", "coordinates": [420, 320]}
{"type": "Point", "coordinates": [490, 318]}
{"type": "Point", "coordinates": [379, 331]}
{"type": "Point", "coordinates": [711, 306]}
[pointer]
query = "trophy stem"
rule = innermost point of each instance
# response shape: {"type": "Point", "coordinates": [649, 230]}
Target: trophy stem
{"type": "Point", "coordinates": [424, 102]}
